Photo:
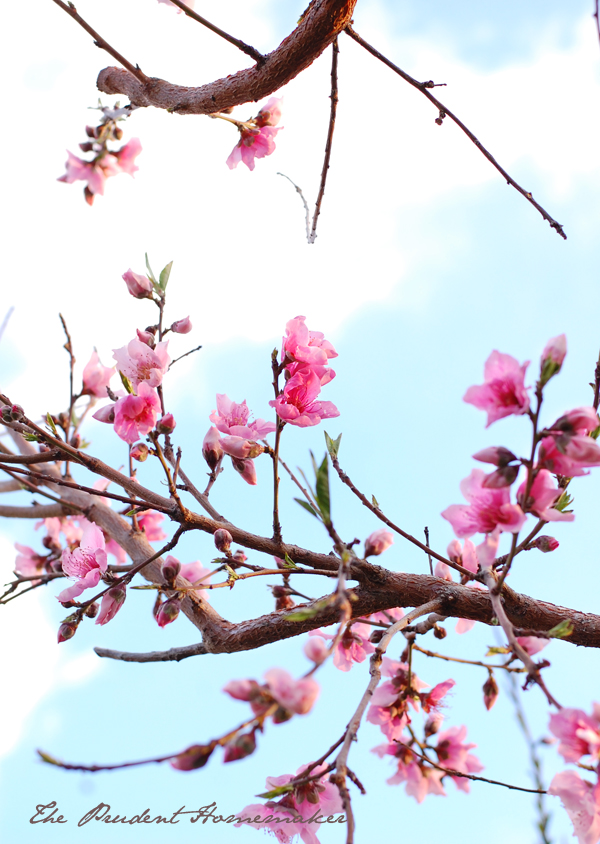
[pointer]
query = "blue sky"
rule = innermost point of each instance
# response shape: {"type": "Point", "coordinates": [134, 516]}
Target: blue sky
{"type": "Point", "coordinates": [425, 262]}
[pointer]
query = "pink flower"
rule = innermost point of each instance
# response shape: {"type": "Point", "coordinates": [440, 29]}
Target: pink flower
{"type": "Point", "coordinates": [420, 780]}
{"type": "Point", "coordinates": [270, 113]}
{"type": "Point", "coordinates": [304, 346]}
{"type": "Point", "coordinates": [96, 377]}
{"type": "Point", "coordinates": [487, 510]}
{"type": "Point", "coordinates": [503, 393]}
{"type": "Point", "coordinates": [389, 704]}
{"type": "Point", "coordinates": [578, 732]}
{"type": "Point", "coordinates": [430, 701]}
{"type": "Point", "coordinates": [581, 800]}
{"type": "Point", "coordinates": [127, 154]}
{"type": "Point", "coordinates": [253, 143]}
{"type": "Point", "coordinates": [141, 364]}
{"type": "Point", "coordinates": [532, 644]}
{"type": "Point", "coordinates": [316, 650]}
{"type": "Point", "coordinates": [28, 562]}
{"type": "Point", "coordinates": [354, 645]}
{"type": "Point", "coordinates": [542, 496]}
{"type": "Point", "coordinates": [112, 601]}
{"type": "Point", "coordinates": [234, 419]}
{"type": "Point", "coordinates": [149, 521]}
{"type": "Point", "coordinates": [297, 403]}
{"type": "Point", "coordinates": [465, 556]}
{"type": "Point", "coordinates": [298, 811]}
{"type": "Point", "coordinates": [292, 696]}
{"type": "Point", "coordinates": [195, 572]}
{"type": "Point", "coordinates": [95, 173]}
{"type": "Point", "coordinates": [138, 285]}
{"type": "Point", "coordinates": [87, 563]}
{"type": "Point", "coordinates": [378, 542]}
{"type": "Point", "coordinates": [555, 350]}
{"type": "Point", "coordinates": [569, 458]}
{"type": "Point", "coordinates": [581, 420]}
{"type": "Point", "coordinates": [135, 416]}
{"type": "Point", "coordinates": [453, 753]}
{"type": "Point", "coordinates": [182, 326]}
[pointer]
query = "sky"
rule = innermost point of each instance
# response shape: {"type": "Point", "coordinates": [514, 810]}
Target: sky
{"type": "Point", "coordinates": [425, 261]}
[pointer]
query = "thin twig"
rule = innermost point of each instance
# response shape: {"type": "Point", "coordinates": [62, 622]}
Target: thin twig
{"type": "Point", "coordinates": [595, 15]}
{"type": "Point", "coordinates": [69, 349]}
{"type": "Point", "coordinates": [181, 357]}
{"type": "Point", "coordinates": [332, 113]}
{"type": "Point", "coordinates": [444, 112]}
{"type": "Point", "coordinates": [174, 654]}
{"type": "Point", "coordinates": [5, 320]}
{"type": "Point", "coordinates": [305, 203]}
{"type": "Point", "coordinates": [454, 773]}
{"type": "Point", "coordinates": [467, 661]}
{"type": "Point", "coordinates": [426, 531]}
{"type": "Point", "coordinates": [241, 45]}
{"type": "Point", "coordinates": [70, 9]}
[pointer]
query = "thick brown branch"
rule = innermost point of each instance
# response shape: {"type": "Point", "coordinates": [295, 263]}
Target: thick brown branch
{"type": "Point", "coordinates": [322, 22]}
{"type": "Point", "coordinates": [423, 87]}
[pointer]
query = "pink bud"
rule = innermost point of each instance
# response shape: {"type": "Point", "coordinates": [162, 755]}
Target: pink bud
{"type": "Point", "coordinates": [555, 350]}
{"type": "Point", "coordinates": [146, 337]}
{"type": "Point", "coordinates": [169, 570]}
{"type": "Point", "coordinates": [502, 477]}
{"type": "Point", "coordinates": [490, 692]}
{"type": "Point", "coordinates": [498, 455]}
{"type": "Point", "coordinates": [246, 469]}
{"type": "Point", "coordinates": [12, 412]}
{"type": "Point", "coordinates": [581, 420]}
{"type": "Point", "coordinates": [92, 610]}
{"type": "Point", "coordinates": [182, 326]}
{"type": "Point", "coordinates": [168, 611]}
{"type": "Point", "coordinates": [194, 757]}
{"type": "Point", "coordinates": [223, 540]}
{"type": "Point", "coordinates": [138, 285]}
{"type": "Point", "coordinates": [240, 747]}
{"type": "Point", "coordinates": [239, 556]}
{"type": "Point", "coordinates": [211, 448]}
{"type": "Point", "coordinates": [546, 543]}
{"type": "Point", "coordinates": [454, 551]}
{"type": "Point", "coordinates": [433, 724]}
{"type": "Point", "coordinates": [443, 571]}
{"type": "Point", "coordinates": [316, 649]}
{"type": "Point", "coordinates": [167, 424]}
{"type": "Point", "coordinates": [139, 452]}
{"type": "Point", "coordinates": [241, 448]}
{"type": "Point", "coordinates": [112, 602]}
{"type": "Point", "coordinates": [66, 631]}
{"type": "Point", "coordinates": [378, 542]}
{"type": "Point", "coordinates": [105, 414]}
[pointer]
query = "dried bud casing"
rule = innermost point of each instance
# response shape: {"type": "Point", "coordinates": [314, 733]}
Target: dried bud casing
{"type": "Point", "coordinates": [490, 692]}
{"type": "Point", "coordinates": [240, 747]}
{"type": "Point", "coordinates": [92, 610]}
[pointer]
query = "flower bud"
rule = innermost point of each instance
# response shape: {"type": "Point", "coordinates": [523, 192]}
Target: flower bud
{"type": "Point", "coordinates": [442, 570]}
{"type": "Point", "coordinates": [490, 692]}
{"type": "Point", "coordinates": [166, 425]}
{"type": "Point", "coordinates": [283, 599]}
{"type": "Point", "coordinates": [378, 542]}
{"type": "Point", "coordinates": [91, 131]}
{"type": "Point", "coordinates": [169, 570]}
{"type": "Point", "coordinates": [246, 469]}
{"type": "Point", "coordinates": [211, 448]}
{"type": "Point", "coordinates": [194, 757]}
{"type": "Point", "coordinates": [66, 631]}
{"type": "Point", "coordinates": [92, 610]}
{"type": "Point", "coordinates": [581, 420]}
{"type": "Point", "coordinates": [139, 452]}
{"type": "Point", "coordinates": [439, 632]}
{"type": "Point", "coordinates": [182, 326]}
{"type": "Point", "coordinates": [502, 477]}
{"type": "Point", "coordinates": [112, 601]}
{"type": "Point", "coordinates": [146, 337]}
{"type": "Point", "coordinates": [241, 448]}
{"type": "Point", "coordinates": [240, 747]}
{"type": "Point", "coordinates": [168, 611]}
{"type": "Point", "coordinates": [138, 285]}
{"type": "Point", "coordinates": [546, 543]}
{"type": "Point", "coordinates": [316, 649]}
{"type": "Point", "coordinates": [498, 455]}
{"type": "Point", "coordinates": [239, 556]}
{"type": "Point", "coordinates": [105, 414]}
{"type": "Point", "coordinates": [223, 540]}
{"type": "Point", "coordinates": [454, 551]}
{"type": "Point", "coordinates": [552, 358]}
{"type": "Point", "coordinates": [433, 724]}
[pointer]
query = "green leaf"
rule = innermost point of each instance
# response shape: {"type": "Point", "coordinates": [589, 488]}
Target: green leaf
{"type": "Point", "coordinates": [314, 463]}
{"type": "Point", "coordinates": [289, 563]}
{"type": "Point", "coordinates": [126, 382]}
{"type": "Point", "coordinates": [307, 506]}
{"type": "Point", "coordinates": [333, 446]}
{"type": "Point", "coordinates": [595, 433]}
{"type": "Point", "coordinates": [150, 273]}
{"type": "Point", "coordinates": [495, 651]}
{"type": "Point", "coordinates": [45, 757]}
{"type": "Point", "coordinates": [304, 613]}
{"type": "Point", "coordinates": [145, 586]}
{"type": "Point", "coordinates": [322, 489]}
{"type": "Point", "coordinates": [563, 502]}
{"type": "Point", "coordinates": [562, 630]}
{"type": "Point", "coordinates": [31, 438]}
{"type": "Point", "coordinates": [276, 792]}
{"type": "Point", "coordinates": [51, 425]}
{"type": "Point", "coordinates": [374, 502]}
{"type": "Point", "coordinates": [164, 276]}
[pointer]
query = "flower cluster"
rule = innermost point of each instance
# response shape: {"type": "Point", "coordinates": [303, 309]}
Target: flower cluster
{"type": "Point", "coordinates": [280, 693]}
{"type": "Point", "coordinates": [304, 358]}
{"type": "Point", "coordinates": [104, 162]}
